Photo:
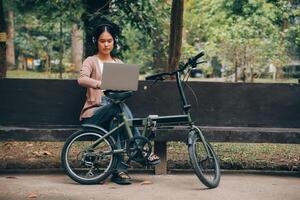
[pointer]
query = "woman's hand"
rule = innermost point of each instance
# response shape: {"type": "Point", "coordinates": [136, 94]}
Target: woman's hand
{"type": "Point", "coordinates": [98, 85]}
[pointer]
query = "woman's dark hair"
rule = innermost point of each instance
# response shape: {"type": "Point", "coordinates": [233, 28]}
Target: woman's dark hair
{"type": "Point", "coordinates": [99, 30]}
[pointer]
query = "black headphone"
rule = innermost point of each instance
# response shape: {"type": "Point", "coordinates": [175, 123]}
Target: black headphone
{"type": "Point", "coordinates": [94, 40]}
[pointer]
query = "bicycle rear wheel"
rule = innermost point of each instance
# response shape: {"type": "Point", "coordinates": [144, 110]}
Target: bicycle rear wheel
{"type": "Point", "coordinates": [204, 159]}
{"type": "Point", "coordinates": [88, 166]}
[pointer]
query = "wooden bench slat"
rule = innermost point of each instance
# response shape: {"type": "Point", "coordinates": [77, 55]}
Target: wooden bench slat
{"type": "Point", "coordinates": [213, 134]}
{"type": "Point", "coordinates": [235, 134]}
{"type": "Point", "coordinates": [35, 134]}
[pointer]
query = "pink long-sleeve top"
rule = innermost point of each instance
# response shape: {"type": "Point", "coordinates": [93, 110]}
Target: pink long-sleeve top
{"type": "Point", "coordinates": [90, 76]}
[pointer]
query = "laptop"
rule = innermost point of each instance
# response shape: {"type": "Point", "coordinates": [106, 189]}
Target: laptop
{"type": "Point", "coordinates": [117, 76]}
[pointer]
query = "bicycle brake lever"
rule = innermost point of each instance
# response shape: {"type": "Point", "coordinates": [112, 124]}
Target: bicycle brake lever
{"type": "Point", "coordinates": [156, 80]}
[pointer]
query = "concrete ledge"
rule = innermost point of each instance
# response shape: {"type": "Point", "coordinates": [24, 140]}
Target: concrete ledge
{"type": "Point", "coordinates": [151, 171]}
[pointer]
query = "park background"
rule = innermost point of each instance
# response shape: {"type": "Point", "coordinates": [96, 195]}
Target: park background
{"type": "Point", "coordinates": [258, 36]}
{"type": "Point", "coordinates": [244, 40]}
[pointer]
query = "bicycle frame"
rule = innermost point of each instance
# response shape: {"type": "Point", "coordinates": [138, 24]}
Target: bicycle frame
{"type": "Point", "coordinates": [185, 106]}
{"type": "Point", "coordinates": [149, 122]}
{"type": "Point", "coordinates": [102, 159]}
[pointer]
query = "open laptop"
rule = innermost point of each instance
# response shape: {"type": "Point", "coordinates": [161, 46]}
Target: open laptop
{"type": "Point", "coordinates": [117, 76]}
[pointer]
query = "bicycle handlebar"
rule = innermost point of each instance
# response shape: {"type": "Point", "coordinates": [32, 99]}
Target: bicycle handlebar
{"type": "Point", "coordinates": [191, 61]}
{"type": "Point", "coordinates": [156, 76]}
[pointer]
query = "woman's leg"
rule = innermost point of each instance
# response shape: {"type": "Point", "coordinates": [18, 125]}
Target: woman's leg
{"type": "Point", "coordinates": [119, 173]}
{"type": "Point", "coordinates": [129, 115]}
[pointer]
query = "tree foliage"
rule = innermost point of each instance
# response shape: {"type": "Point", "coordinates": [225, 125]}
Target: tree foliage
{"type": "Point", "coordinates": [43, 28]}
{"type": "Point", "coordinates": [146, 21]}
{"type": "Point", "coordinates": [38, 26]}
{"type": "Point", "coordinates": [242, 33]}
{"type": "Point", "coordinates": [238, 34]}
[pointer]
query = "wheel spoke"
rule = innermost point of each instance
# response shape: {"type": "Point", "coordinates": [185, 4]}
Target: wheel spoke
{"type": "Point", "coordinates": [87, 167]}
{"type": "Point", "coordinates": [203, 160]}
{"type": "Point", "coordinates": [134, 154]}
{"type": "Point", "coordinates": [90, 173]}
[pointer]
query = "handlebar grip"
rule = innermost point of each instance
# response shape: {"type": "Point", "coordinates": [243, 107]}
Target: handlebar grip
{"type": "Point", "coordinates": [195, 58]}
{"type": "Point", "coordinates": [193, 61]}
{"type": "Point", "coordinates": [198, 56]}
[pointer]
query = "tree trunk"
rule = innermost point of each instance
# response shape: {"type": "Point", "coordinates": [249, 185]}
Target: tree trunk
{"type": "Point", "coordinates": [175, 35]}
{"type": "Point", "coordinates": [25, 63]}
{"type": "Point", "coordinates": [277, 73]}
{"type": "Point", "coordinates": [10, 47]}
{"type": "Point", "coordinates": [48, 63]}
{"type": "Point", "coordinates": [251, 74]}
{"type": "Point", "coordinates": [3, 66]}
{"type": "Point", "coordinates": [61, 51]}
{"type": "Point", "coordinates": [77, 47]}
{"type": "Point", "coordinates": [236, 71]}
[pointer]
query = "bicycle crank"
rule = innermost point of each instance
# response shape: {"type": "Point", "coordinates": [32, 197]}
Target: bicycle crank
{"type": "Point", "coordinates": [138, 148]}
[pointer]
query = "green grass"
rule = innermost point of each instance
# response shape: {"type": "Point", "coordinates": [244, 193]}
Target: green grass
{"type": "Point", "coordinates": [260, 80]}
{"type": "Point", "coordinates": [45, 75]}
{"type": "Point", "coordinates": [244, 156]}
{"type": "Point", "coordinates": [38, 75]}
{"type": "Point", "coordinates": [276, 81]}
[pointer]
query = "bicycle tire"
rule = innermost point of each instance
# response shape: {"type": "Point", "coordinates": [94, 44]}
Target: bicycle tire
{"type": "Point", "coordinates": [75, 161]}
{"type": "Point", "coordinates": [205, 162]}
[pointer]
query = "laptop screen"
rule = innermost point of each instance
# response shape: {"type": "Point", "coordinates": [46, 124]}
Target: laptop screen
{"type": "Point", "coordinates": [117, 76]}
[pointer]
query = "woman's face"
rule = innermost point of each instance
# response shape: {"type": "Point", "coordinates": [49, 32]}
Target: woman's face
{"type": "Point", "coordinates": [105, 43]}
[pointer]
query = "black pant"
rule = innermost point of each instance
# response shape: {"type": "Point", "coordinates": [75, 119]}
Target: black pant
{"type": "Point", "coordinates": [119, 137]}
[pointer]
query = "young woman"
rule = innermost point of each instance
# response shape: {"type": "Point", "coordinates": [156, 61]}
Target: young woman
{"type": "Point", "coordinates": [90, 77]}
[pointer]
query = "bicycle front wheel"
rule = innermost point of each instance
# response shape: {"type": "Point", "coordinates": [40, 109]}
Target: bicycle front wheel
{"type": "Point", "coordinates": [88, 165]}
{"type": "Point", "coordinates": [204, 159]}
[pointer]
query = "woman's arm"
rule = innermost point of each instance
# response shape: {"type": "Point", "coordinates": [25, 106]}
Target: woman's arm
{"type": "Point", "coordinates": [85, 79]}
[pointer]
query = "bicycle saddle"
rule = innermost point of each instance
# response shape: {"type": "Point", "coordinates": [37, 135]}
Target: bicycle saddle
{"type": "Point", "coordinates": [118, 95]}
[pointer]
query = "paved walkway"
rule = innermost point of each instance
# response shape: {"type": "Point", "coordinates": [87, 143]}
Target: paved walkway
{"type": "Point", "coordinates": [146, 187]}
